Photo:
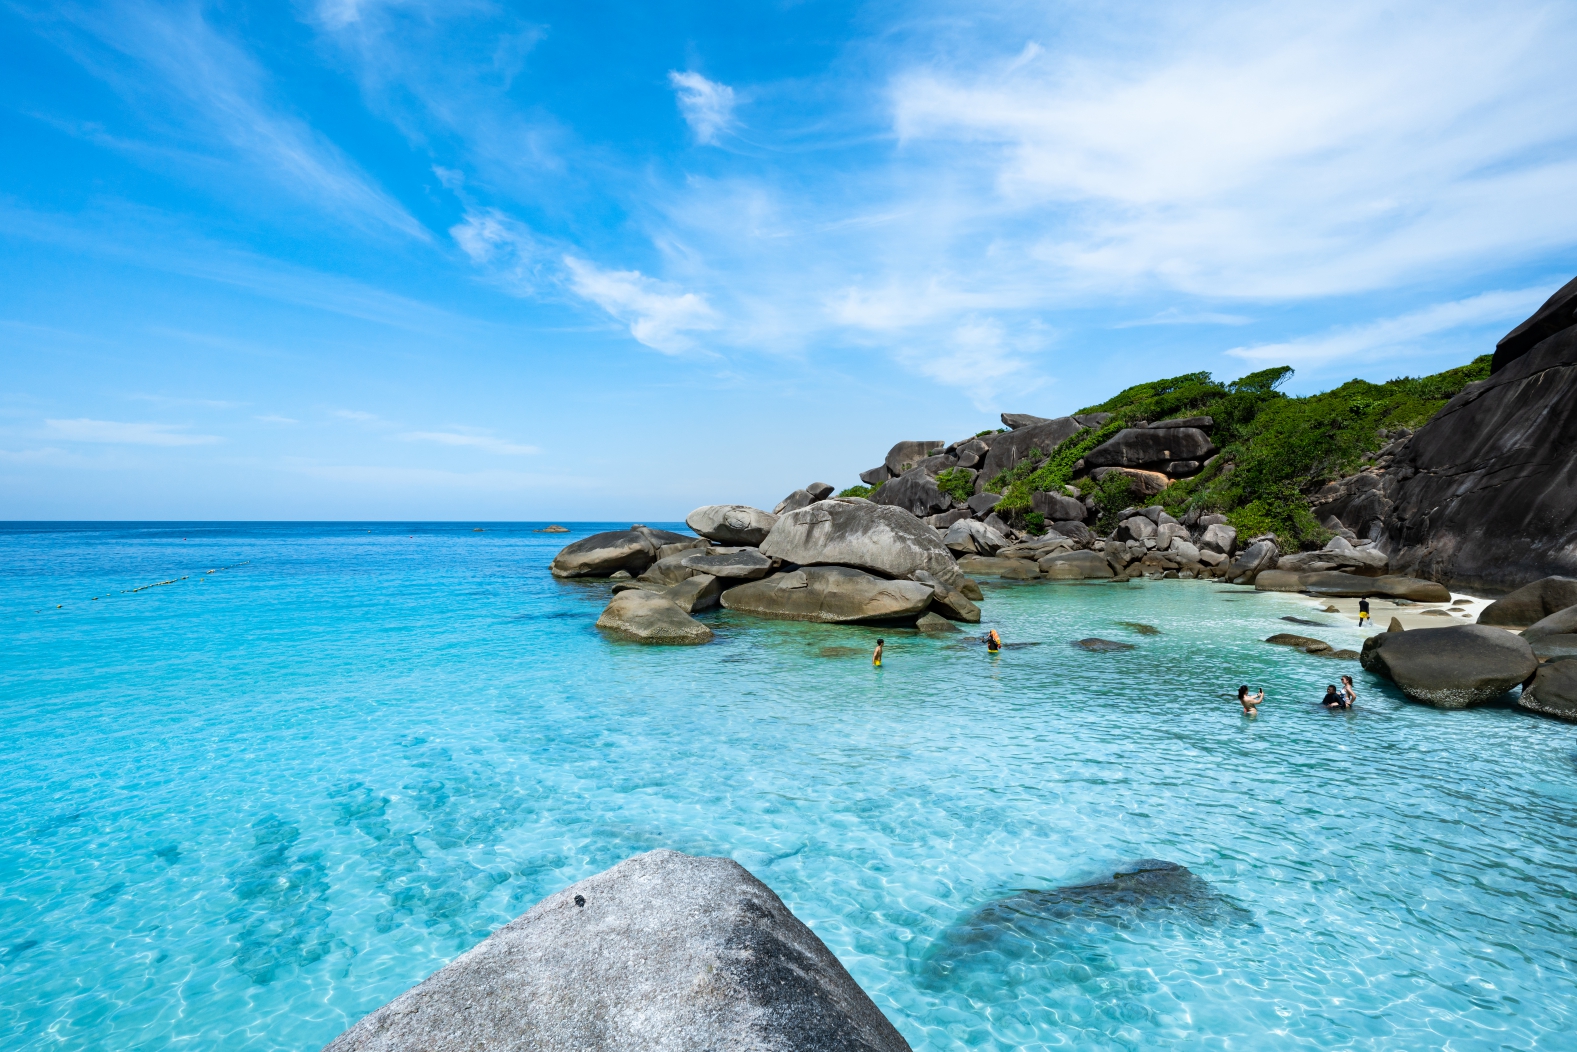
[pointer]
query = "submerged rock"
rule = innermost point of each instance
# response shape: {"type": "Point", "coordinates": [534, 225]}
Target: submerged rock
{"type": "Point", "coordinates": [830, 595]}
{"type": "Point", "coordinates": [1451, 668]}
{"type": "Point", "coordinates": [662, 953]}
{"type": "Point", "coordinates": [731, 523]}
{"type": "Point", "coordinates": [1064, 934]}
{"type": "Point", "coordinates": [1307, 644]}
{"type": "Point", "coordinates": [650, 617]}
{"type": "Point", "coordinates": [1102, 646]}
{"type": "Point", "coordinates": [935, 624]}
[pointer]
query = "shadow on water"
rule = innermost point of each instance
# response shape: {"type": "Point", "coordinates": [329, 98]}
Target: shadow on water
{"type": "Point", "coordinates": [1068, 935]}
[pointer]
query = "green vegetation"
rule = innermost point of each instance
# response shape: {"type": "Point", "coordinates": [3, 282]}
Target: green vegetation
{"type": "Point", "coordinates": [957, 483]}
{"type": "Point", "coordinates": [1275, 450]}
{"type": "Point", "coordinates": [860, 491]}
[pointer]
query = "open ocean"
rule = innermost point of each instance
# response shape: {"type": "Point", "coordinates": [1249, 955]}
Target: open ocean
{"type": "Point", "coordinates": [242, 808]}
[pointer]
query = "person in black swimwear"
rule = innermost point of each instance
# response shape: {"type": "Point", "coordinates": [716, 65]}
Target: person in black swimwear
{"type": "Point", "coordinates": [1332, 699]}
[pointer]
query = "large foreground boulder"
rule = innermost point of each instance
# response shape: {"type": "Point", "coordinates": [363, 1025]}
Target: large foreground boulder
{"type": "Point", "coordinates": [830, 595]}
{"type": "Point", "coordinates": [649, 617]}
{"type": "Point", "coordinates": [1553, 691]}
{"type": "Point", "coordinates": [662, 953]}
{"type": "Point", "coordinates": [1531, 603]}
{"type": "Point", "coordinates": [872, 537]}
{"type": "Point", "coordinates": [1484, 495]}
{"type": "Point", "coordinates": [731, 523]}
{"type": "Point", "coordinates": [603, 554]}
{"type": "Point", "coordinates": [1451, 668]}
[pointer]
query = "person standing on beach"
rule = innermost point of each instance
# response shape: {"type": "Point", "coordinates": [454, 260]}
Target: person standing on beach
{"type": "Point", "coordinates": [1250, 702]}
{"type": "Point", "coordinates": [876, 658]}
{"type": "Point", "coordinates": [1363, 612]}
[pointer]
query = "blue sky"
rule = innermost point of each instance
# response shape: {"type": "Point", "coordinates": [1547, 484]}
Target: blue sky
{"type": "Point", "coordinates": [364, 259]}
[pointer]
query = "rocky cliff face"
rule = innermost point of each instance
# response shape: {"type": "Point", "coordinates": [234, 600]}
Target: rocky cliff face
{"type": "Point", "coordinates": [1485, 494]}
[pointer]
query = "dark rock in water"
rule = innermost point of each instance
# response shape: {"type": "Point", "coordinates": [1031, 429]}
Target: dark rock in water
{"type": "Point", "coordinates": [602, 554]}
{"type": "Point", "coordinates": [842, 652]}
{"type": "Point", "coordinates": [648, 617]}
{"type": "Point", "coordinates": [1102, 646]}
{"type": "Point", "coordinates": [1451, 668]}
{"type": "Point", "coordinates": [664, 951]}
{"type": "Point", "coordinates": [1549, 648]}
{"type": "Point", "coordinates": [1303, 621]}
{"type": "Point", "coordinates": [1484, 495]}
{"type": "Point", "coordinates": [1553, 691]}
{"type": "Point", "coordinates": [1304, 643]}
{"type": "Point", "coordinates": [1531, 603]}
{"type": "Point", "coordinates": [1141, 628]}
{"type": "Point", "coordinates": [936, 624]}
{"type": "Point", "coordinates": [1065, 933]}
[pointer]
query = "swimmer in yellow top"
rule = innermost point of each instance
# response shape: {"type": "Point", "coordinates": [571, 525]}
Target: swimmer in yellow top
{"type": "Point", "coordinates": [876, 658]}
{"type": "Point", "coordinates": [993, 642]}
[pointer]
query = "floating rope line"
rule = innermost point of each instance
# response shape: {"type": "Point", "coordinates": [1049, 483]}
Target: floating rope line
{"type": "Point", "coordinates": [156, 584]}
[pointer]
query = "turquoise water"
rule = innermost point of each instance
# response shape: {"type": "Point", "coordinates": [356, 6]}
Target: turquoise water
{"type": "Point", "coordinates": [241, 809]}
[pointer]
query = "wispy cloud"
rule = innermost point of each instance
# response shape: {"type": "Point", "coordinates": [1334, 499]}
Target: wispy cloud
{"type": "Point", "coordinates": [504, 247]}
{"type": "Point", "coordinates": [1173, 316]}
{"type": "Point", "coordinates": [274, 418]}
{"type": "Point", "coordinates": [476, 440]}
{"type": "Point", "coordinates": [1391, 336]}
{"type": "Point", "coordinates": [658, 315]}
{"type": "Point", "coordinates": [708, 106]}
{"type": "Point", "coordinates": [981, 358]}
{"type": "Point", "coordinates": [223, 105]}
{"type": "Point", "coordinates": [112, 432]}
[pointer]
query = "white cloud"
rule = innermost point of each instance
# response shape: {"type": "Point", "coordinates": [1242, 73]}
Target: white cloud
{"type": "Point", "coordinates": [1390, 336]}
{"type": "Point", "coordinates": [1173, 316]}
{"type": "Point", "coordinates": [978, 357]}
{"type": "Point", "coordinates": [658, 315]}
{"type": "Point", "coordinates": [504, 247]}
{"type": "Point", "coordinates": [111, 432]}
{"type": "Point", "coordinates": [483, 442]}
{"type": "Point", "coordinates": [707, 106]}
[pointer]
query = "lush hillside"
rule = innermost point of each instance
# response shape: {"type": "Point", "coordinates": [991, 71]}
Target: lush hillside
{"type": "Point", "coordinates": [1275, 449]}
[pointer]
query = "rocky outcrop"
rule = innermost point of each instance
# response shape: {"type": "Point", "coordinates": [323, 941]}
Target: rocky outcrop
{"type": "Point", "coordinates": [793, 502]}
{"type": "Point", "coordinates": [1553, 691]}
{"type": "Point", "coordinates": [1014, 421]}
{"type": "Point", "coordinates": [695, 594]}
{"type": "Point", "coordinates": [1261, 555]}
{"type": "Point", "coordinates": [915, 492]}
{"type": "Point", "coordinates": [745, 564]}
{"type": "Point", "coordinates": [1531, 603]}
{"type": "Point", "coordinates": [1007, 450]}
{"type": "Point", "coordinates": [903, 457]}
{"type": "Point", "coordinates": [968, 537]}
{"type": "Point", "coordinates": [648, 617]}
{"type": "Point", "coordinates": [603, 554]}
{"type": "Point", "coordinates": [882, 540]}
{"type": "Point", "coordinates": [731, 523]}
{"type": "Point", "coordinates": [1451, 668]}
{"type": "Point", "coordinates": [1485, 495]}
{"type": "Point", "coordinates": [1336, 585]}
{"type": "Point", "coordinates": [1337, 555]}
{"type": "Point", "coordinates": [1559, 312]}
{"type": "Point", "coordinates": [1150, 447]}
{"type": "Point", "coordinates": [1075, 566]}
{"type": "Point", "coordinates": [948, 602]}
{"type": "Point", "coordinates": [1058, 507]}
{"type": "Point", "coordinates": [662, 953]}
{"type": "Point", "coordinates": [1012, 569]}
{"type": "Point", "coordinates": [830, 595]}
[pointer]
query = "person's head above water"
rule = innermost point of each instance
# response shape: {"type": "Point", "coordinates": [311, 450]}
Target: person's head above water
{"type": "Point", "coordinates": [1330, 688]}
{"type": "Point", "coordinates": [1347, 680]}
{"type": "Point", "coordinates": [879, 642]}
{"type": "Point", "coordinates": [1243, 691]}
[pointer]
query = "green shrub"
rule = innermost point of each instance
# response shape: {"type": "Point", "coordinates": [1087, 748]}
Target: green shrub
{"type": "Point", "coordinates": [860, 491]}
{"type": "Point", "coordinates": [1035, 522]}
{"type": "Point", "coordinates": [957, 483]}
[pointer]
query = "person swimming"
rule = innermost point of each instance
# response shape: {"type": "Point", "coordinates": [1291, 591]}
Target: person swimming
{"type": "Point", "coordinates": [1332, 699]}
{"type": "Point", "coordinates": [993, 642]}
{"type": "Point", "coordinates": [876, 658]}
{"type": "Point", "coordinates": [1250, 702]}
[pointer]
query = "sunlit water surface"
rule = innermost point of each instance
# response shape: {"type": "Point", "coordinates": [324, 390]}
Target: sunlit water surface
{"type": "Point", "coordinates": [244, 808]}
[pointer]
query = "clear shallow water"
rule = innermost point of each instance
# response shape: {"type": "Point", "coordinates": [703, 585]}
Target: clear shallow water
{"type": "Point", "coordinates": [240, 810]}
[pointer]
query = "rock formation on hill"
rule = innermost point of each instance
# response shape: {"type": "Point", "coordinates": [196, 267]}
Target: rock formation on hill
{"type": "Point", "coordinates": [662, 953]}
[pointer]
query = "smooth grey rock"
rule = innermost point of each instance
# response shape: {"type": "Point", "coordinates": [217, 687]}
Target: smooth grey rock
{"type": "Point", "coordinates": [1181, 469]}
{"type": "Point", "coordinates": [1167, 532]}
{"type": "Point", "coordinates": [971, 453]}
{"type": "Point", "coordinates": [602, 554]}
{"type": "Point", "coordinates": [1135, 528]}
{"type": "Point", "coordinates": [1058, 507]}
{"type": "Point", "coordinates": [935, 624]}
{"type": "Point", "coordinates": [943, 520]}
{"type": "Point", "coordinates": [947, 601]}
{"type": "Point", "coordinates": [1532, 602]}
{"type": "Point", "coordinates": [1554, 690]}
{"type": "Point", "coordinates": [1307, 644]}
{"type": "Point", "coordinates": [996, 522]}
{"type": "Point", "coordinates": [683, 546]}
{"type": "Point", "coordinates": [671, 569]}
{"type": "Point", "coordinates": [1093, 420]}
{"type": "Point", "coordinates": [694, 594]}
{"type": "Point", "coordinates": [1278, 581]}
{"type": "Point", "coordinates": [1075, 566]}
{"type": "Point", "coordinates": [969, 537]}
{"type": "Point", "coordinates": [1183, 550]}
{"type": "Point", "coordinates": [1550, 648]}
{"type": "Point", "coordinates": [648, 617]}
{"type": "Point", "coordinates": [902, 458]}
{"type": "Point", "coordinates": [1451, 668]}
{"type": "Point", "coordinates": [1335, 584]}
{"type": "Point", "coordinates": [1007, 450]}
{"type": "Point", "coordinates": [830, 595]}
{"type": "Point", "coordinates": [1364, 562]}
{"type": "Point", "coordinates": [1203, 423]}
{"type": "Point", "coordinates": [876, 476]}
{"type": "Point", "coordinates": [746, 565]}
{"type": "Point", "coordinates": [871, 537]}
{"type": "Point", "coordinates": [1077, 532]}
{"type": "Point", "coordinates": [1157, 514]}
{"type": "Point", "coordinates": [916, 493]}
{"type": "Point", "coordinates": [1136, 448]}
{"type": "Point", "coordinates": [731, 523]}
{"type": "Point", "coordinates": [982, 503]}
{"type": "Point", "coordinates": [1097, 645]}
{"type": "Point", "coordinates": [819, 490]}
{"type": "Point", "coordinates": [1218, 537]}
{"type": "Point", "coordinates": [1261, 555]}
{"type": "Point", "coordinates": [1014, 421]}
{"type": "Point", "coordinates": [1561, 622]}
{"type": "Point", "coordinates": [795, 501]}
{"type": "Point", "coordinates": [1213, 519]}
{"type": "Point", "coordinates": [987, 566]}
{"type": "Point", "coordinates": [662, 953]}
{"type": "Point", "coordinates": [935, 465]}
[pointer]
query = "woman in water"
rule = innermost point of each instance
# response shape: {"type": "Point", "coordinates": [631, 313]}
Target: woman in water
{"type": "Point", "coordinates": [1250, 702]}
{"type": "Point", "coordinates": [876, 658]}
{"type": "Point", "coordinates": [993, 642]}
{"type": "Point", "coordinates": [1349, 695]}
